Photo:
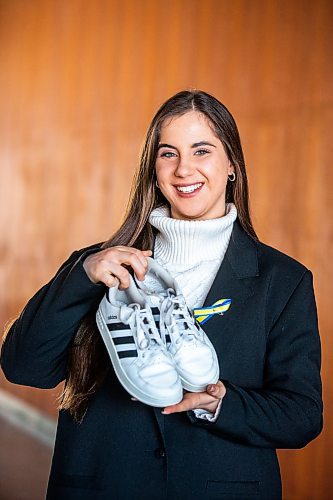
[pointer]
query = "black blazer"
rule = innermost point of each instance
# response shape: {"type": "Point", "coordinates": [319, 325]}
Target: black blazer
{"type": "Point", "coordinates": [269, 353]}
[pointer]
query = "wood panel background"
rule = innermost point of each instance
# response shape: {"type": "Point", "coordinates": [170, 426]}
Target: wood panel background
{"type": "Point", "coordinates": [79, 82]}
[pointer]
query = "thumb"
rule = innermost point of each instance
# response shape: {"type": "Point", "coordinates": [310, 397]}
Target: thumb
{"type": "Point", "coordinates": [213, 389]}
{"type": "Point", "coordinates": [217, 390]}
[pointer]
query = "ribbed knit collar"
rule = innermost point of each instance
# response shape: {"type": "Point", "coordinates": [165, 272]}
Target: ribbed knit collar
{"type": "Point", "coordinates": [191, 242]}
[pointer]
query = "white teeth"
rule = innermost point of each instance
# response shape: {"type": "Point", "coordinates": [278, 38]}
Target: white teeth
{"type": "Point", "coordinates": [189, 189]}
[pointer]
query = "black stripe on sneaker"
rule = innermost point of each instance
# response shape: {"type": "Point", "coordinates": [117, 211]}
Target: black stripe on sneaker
{"type": "Point", "coordinates": [128, 354]}
{"type": "Point", "coordinates": [117, 326]}
{"type": "Point", "coordinates": [155, 310]}
{"type": "Point", "coordinates": [123, 340]}
{"type": "Point", "coordinates": [167, 338]}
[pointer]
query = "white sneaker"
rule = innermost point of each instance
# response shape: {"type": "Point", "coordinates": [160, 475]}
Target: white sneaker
{"type": "Point", "coordinates": [140, 359]}
{"type": "Point", "coordinates": [190, 347]}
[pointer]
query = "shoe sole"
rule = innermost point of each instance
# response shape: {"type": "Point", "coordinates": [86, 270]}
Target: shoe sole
{"type": "Point", "coordinates": [128, 385]}
{"type": "Point", "coordinates": [198, 388]}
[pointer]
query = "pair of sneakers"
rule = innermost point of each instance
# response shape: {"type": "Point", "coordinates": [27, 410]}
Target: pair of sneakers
{"type": "Point", "coordinates": [156, 347]}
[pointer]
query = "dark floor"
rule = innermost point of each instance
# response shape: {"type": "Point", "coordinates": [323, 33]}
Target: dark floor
{"type": "Point", "coordinates": [24, 465]}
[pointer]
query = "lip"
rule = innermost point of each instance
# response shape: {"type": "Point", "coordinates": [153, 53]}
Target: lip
{"type": "Point", "coordinates": [188, 195]}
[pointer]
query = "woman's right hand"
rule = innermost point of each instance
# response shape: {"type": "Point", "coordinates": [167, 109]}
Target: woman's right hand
{"type": "Point", "coordinates": [107, 266]}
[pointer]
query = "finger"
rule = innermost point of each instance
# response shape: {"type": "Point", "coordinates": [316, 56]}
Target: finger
{"type": "Point", "coordinates": [190, 401]}
{"type": "Point", "coordinates": [141, 254]}
{"type": "Point", "coordinates": [110, 280]}
{"type": "Point", "coordinates": [193, 400]}
{"type": "Point", "coordinates": [122, 275]}
{"type": "Point", "coordinates": [130, 255]}
{"type": "Point", "coordinates": [135, 259]}
{"type": "Point", "coordinates": [143, 257]}
{"type": "Point", "coordinates": [112, 274]}
{"type": "Point", "coordinates": [140, 268]}
{"type": "Point", "coordinates": [168, 410]}
{"type": "Point", "coordinates": [217, 390]}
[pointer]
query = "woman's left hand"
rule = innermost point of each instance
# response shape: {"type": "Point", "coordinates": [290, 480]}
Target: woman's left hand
{"type": "Point", "coordinates": [207, 400]}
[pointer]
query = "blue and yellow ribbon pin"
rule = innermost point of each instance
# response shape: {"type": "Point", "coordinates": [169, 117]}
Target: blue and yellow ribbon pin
{"type": "Point", "coordinates": [203, 314]}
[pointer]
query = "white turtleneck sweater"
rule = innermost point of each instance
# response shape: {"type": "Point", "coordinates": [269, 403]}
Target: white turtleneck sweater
{"type": "Point", "coordinates": [192, 251]}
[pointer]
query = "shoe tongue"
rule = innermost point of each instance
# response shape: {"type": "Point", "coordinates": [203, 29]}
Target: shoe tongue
{"type": "Point", "coordinates": [154, 299]}
{"type": "Point", "coordinates": [125, 313]}
{"type": "Point", "coordinates": [152, 287]}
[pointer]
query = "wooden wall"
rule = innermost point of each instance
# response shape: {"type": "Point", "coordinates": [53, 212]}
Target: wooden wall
{"type": "Point", "coordinates": [79, 81]}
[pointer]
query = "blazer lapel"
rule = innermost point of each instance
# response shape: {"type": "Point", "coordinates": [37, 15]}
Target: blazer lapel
{"type": "Point", "coordinates": [234, 279]}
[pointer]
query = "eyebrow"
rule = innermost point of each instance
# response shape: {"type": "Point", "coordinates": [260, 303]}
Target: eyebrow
{"type": "Point", "coordinates": [195, 145]}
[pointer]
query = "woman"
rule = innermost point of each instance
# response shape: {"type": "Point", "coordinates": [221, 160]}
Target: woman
{"type": "Point", "coordinates": [190, 206]}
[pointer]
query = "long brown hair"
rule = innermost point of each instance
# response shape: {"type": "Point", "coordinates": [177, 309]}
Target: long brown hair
{"type": "Point", "coordinates": [88, 361]}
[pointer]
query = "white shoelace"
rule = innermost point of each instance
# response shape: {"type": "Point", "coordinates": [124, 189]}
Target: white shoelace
{"type": "Point", "coordinates": [174, 312]}
{"type": "Point", "coordinates": [142, 325]}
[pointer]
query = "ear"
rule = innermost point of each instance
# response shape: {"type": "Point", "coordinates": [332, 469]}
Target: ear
{"type": "Point", "coordinates": [231, 169]}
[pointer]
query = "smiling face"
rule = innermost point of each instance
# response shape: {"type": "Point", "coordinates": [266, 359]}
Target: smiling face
{"type": "Point", "coordinates": [192, 168]}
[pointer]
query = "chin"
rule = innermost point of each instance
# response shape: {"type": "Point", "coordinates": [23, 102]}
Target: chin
{"type": "Point", "coordinates": [188, 214]}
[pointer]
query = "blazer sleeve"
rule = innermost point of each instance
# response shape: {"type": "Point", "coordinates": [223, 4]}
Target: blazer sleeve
{"type": "Point", "coordinates": [34, 351]}
{"type": "Point", "coordinates": [287, 411]}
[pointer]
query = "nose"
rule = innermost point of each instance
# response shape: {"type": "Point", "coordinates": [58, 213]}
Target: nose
{"type": "Point", "coordinates": [185, 167]}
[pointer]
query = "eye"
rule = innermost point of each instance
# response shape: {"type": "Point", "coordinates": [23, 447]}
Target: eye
{"type": "Point", "coordinates": [168, 154]}
{"type": "Point", "coordinates": [201, 152]}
